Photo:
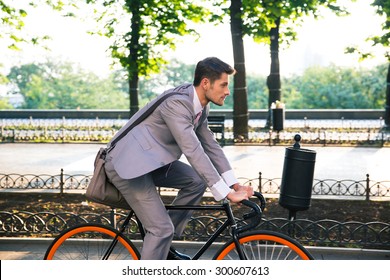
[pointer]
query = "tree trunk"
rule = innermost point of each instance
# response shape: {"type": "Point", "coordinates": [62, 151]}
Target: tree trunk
{"type": "Point", "coordinates": [133, 91]}
{"type": "Point", "coordinates": [240, 102]}
{"type": "Point", "coordinates": [387, 107]}
{"type": "Point", "coordinates": [133, 45]}
{"type": "Point", "coordinates": [273, 80]}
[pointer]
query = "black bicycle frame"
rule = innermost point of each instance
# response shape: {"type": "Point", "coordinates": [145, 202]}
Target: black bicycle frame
{"type": "Point", "coordinates": [230, 221]}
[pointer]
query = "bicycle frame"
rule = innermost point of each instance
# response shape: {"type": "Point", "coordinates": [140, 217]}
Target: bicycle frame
{"type": "Point", "coordinates": [230, 222]}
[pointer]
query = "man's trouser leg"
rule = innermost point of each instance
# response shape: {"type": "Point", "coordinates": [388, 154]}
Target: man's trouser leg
{"type": "Point", "coordinates": [191, 189]}
{"type": "Point", "coordinates": [142, 196]}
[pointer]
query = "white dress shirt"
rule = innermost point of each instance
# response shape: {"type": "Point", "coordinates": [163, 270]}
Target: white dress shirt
{"type": "Point", "coordinates": [222, 188]}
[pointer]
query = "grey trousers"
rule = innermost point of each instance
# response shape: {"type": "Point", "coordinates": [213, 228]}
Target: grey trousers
{"type": "Point", "coordinates": [142, 195]}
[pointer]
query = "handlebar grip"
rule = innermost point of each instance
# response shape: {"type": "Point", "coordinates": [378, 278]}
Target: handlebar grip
{"type": "Point", "coordinates": [262, 200]}
{"type": "Point", "coordinates": [254, 215]}
{"type": "Point", "coordinates": [255, 207]}
{"type": "Point", "coordinates": [255, 211]}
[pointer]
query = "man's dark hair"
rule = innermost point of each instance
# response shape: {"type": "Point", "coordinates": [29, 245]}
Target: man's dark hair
{"type": "Point", "coordinates": [212, 69]}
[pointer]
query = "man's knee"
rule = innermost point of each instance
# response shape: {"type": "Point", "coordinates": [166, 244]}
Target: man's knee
{"type": "Point", "coordinates": [199, 183]}
{"type": "Point", "coordinates": [165, 231]}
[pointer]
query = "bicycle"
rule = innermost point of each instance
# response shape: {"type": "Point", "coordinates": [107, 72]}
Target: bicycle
{"type": "Point", "coordinates": [98, 241]}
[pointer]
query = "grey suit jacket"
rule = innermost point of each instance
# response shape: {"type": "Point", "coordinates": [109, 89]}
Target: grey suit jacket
{"type": "Point", "coordinates": [165, 135]}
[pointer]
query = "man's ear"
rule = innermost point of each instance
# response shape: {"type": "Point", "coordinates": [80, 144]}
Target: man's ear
{"type": "Point", "coordinates": [205, 84]}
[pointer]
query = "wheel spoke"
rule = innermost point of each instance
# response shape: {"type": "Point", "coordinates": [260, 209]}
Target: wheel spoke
{"type": "Point", "coordinates": [264, 245]}
{"type": "Point", "coordinates": [91, 242]}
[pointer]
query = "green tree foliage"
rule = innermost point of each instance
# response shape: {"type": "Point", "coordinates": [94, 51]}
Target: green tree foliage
{"type": "Point", "coordinates": [336, 88]}
{"type": "Point", "coordinates": [13, 15]}
{"type": "Point", "coordinates": [273, 22]}
{"type": "Point", "coordinates": [62, 86]}
{"type": "Point", "coordinates": [383, 9]}
{"type": "Point", "coordinates": [4, 104]}
{"type": "Point", "coordinates": [257, 92]}
{"type": "Point", "coordinates": [151, 27]}
{"type": "Point", "coordinates": [172, 75]}
{"type": "Point", "coordinates": [12, 18]}
{"type": "Point", "coordinates": [141, 30]}
{"type": "Point", "coordinates": [330, 87]}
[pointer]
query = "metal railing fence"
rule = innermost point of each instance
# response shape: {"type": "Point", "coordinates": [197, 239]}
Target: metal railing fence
{"type": "Point", "coordinates": [373, 235]}
{"type": "Point", "coordinates": [366, 188]}
{"type": "Point", "coordinates": [313, 132]}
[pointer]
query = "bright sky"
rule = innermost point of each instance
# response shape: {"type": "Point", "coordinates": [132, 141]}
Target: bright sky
{"type": "Point", "coordinates": [320, 42]}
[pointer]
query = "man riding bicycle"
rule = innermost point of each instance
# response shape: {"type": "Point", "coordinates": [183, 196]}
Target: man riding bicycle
{"type": "Point", "coordinates": [148, 156]}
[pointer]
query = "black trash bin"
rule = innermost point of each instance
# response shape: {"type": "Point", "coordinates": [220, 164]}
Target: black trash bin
{"type": "Point", "coordinates": [278, 117]}
{"type": "Point", "coordinates": [297, 178]}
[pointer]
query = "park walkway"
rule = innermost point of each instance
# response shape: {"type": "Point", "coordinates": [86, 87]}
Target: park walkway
{"type": "Point", "coordinates": [337, 163]}
{"type": "Point", "coordinates": [35, 248]}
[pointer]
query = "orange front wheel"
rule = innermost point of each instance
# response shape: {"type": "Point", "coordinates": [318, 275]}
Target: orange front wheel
{"type": "Point", "coordinates": [264, 245]}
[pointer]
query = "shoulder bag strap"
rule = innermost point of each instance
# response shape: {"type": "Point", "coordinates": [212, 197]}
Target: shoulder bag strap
{"type": "Point", "coordinates": [141, 118]}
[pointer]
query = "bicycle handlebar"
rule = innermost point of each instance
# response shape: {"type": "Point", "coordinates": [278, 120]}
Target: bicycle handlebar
{"type": "Point", "coordinates": [262, 200]}
{"type": "Point", "coordinates": [255, 214]}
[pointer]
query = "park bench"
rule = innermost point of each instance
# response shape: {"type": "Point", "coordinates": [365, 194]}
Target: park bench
{"type": "Point", "coordinates": [217, 126]}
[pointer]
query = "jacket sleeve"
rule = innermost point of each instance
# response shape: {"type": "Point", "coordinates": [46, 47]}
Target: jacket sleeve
{"type": "Point", "coordinates": [178, 114]}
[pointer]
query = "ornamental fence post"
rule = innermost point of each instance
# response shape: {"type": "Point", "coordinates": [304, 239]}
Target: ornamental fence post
{"type": "Point", "coordinates": [260, 183]}
{"type": "Point", "coordinates": [62, 183]}
{"type": "Point", "coordinates": [367, 187]}
{"type": "Point", "coordinates": [113, 217]}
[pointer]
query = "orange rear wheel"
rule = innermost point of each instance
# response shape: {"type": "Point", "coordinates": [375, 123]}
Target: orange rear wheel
{"type": "Point", "coordinates": [91, 242]}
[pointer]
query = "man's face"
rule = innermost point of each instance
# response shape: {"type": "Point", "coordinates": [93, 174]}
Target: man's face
{"type": "Point", "coordinates": [218, 91]}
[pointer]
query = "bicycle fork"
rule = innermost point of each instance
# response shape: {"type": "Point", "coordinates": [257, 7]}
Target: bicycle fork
{"type": "Point", "coordinates": [235, 232]}
{"type": "Point", "coordinates": [240, 252]}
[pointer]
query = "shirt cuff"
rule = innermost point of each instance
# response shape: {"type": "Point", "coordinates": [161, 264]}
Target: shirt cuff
{"type": "Point", "coordinates": [220, 190]}
{"type": "Point", "coordinates": [229, 178]}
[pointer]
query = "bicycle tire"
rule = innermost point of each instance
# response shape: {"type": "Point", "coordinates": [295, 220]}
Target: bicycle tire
{"type": "Point", "coordinates": [264, 245]}
{"type": "Point", "coordinates": [91, 242]}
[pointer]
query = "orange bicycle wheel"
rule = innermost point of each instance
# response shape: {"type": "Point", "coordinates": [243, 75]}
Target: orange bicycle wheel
{"type": "Point", "coordinates": [91, 242]}
{"type": "Point", "coordinates": [264, 245]}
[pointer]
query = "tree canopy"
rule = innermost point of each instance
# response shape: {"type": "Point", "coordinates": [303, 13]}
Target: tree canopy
{"type": "Point", "coordinates": [61, 85]}
{"type": "Point", "coordinates": [55, 85]}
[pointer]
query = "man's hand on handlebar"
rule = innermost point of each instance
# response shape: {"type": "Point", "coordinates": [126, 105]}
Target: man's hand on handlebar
{"type": "Point", "coordinates": [248, 189]}
{"type": "Point", "coordinates": [240, 193]}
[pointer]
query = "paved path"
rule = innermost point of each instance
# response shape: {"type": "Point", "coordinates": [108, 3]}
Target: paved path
{"type": "Point", "coordinates": [35, 248]}
{"type": "Point", "coordinates": [331, 162]}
